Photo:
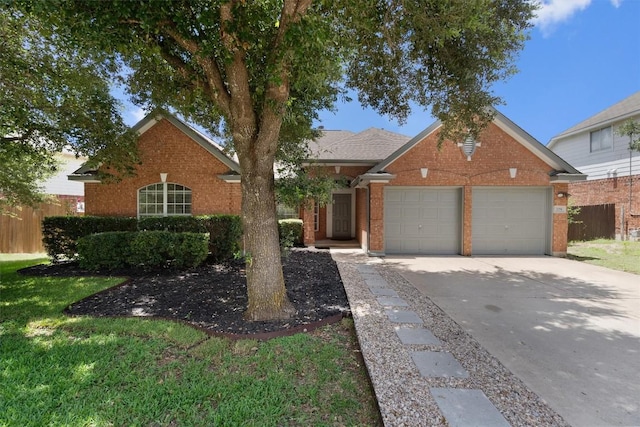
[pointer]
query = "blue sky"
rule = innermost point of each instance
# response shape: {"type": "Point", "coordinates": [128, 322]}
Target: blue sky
{"type": "Point", "coordinates": [583, 56]}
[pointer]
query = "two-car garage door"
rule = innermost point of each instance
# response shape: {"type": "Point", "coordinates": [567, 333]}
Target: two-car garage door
{"type": "Point", "coordinates": [428, 220]}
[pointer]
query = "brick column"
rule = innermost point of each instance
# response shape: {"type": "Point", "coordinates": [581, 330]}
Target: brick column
{"type": "Point", "coordinates": [308, 225]}
{"type": "Point", "coordinates": [467, 220]}
{"type": "Point", "coordinates": [560, 222]}
{"type": "Point", "coordinates": [376, 218]}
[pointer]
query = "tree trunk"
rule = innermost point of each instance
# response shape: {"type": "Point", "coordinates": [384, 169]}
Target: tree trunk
{"type": "Point", "coordinates": [265, 282]}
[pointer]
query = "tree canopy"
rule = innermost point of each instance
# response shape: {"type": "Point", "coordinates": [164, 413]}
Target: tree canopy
{"type": "Point", "coordinates": [52, 98]}
{"type": "Point", "coordinates": [258, 72]}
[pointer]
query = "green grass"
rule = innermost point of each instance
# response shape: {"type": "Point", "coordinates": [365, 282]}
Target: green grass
{"type": "Point", "coordinates": [614, 254]}
{"type": "Point", "coordinates": [60, 371]}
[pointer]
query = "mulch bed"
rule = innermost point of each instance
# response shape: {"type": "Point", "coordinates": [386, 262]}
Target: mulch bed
{"type": "Point", "coordinates": [213, 297]}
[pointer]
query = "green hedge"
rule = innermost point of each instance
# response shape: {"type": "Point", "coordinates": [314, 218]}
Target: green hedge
{"type": "Point", "coordinates": [61, 233]}
{"type": "Point", "coordinates": [291, 232]}
{"type": "Point", "coordinates": [146, 249]}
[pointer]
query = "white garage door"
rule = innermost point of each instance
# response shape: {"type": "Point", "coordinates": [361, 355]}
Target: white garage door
{"type": "Point", "coordinates": [510, 221]}
{"type": "Point", "coordinates": [422, 220]}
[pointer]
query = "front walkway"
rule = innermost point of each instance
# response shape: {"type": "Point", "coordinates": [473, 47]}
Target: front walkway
{"type": "Point", "coordinates": [424, 368]}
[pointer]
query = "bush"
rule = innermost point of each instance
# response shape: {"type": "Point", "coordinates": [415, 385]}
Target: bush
{"type": "Point", "coordinates": [291, 232]}
{"type": "Point", "coordinates": [225, 233]}
{"type": "Point", "coordinates": [61, 233]}
{"type": "Point", "coordinates": [148, 249]}
{"type": "Point", "coordinates": [177, 224]}
{"type": "Point", "coordinates": [109, 250]}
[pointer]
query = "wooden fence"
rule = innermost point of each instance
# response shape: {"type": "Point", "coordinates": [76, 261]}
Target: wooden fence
{"type": "Point", "coordinates": [21, 229]}
{"type": "Point", "coordinates": [594, 222]}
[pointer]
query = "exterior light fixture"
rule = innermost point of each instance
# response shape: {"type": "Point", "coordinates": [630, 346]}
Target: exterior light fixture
{"type": "Point", "coordinates": [469, 147]}
{"type": "Point", "coordinates": [513, 172]}
{"type": "Point", "coordinates": [163, 177]}
{"type": "Point", "coordinates": [562, 194]}
{"type": "Point", "coordinates": [424, 172]}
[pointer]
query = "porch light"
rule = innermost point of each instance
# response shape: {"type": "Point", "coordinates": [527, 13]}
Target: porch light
{"type": "Point", "coordinates": [163, 177]}
{"type": "Point", "coordinates": [562, 194]}
{"type": "Point", "coordinates": [513, 172]}
{"type": "Point", "coordinates": [424, 171]}
{"type": "Point", "coordinates": [469, 146]}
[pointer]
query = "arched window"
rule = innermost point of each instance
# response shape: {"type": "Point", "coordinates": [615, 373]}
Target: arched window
{"type": "Point", "coordinates": [164, 199]}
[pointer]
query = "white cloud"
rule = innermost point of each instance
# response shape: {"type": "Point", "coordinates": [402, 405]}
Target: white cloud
{"type": "Point", "coordinates": [553, 12]}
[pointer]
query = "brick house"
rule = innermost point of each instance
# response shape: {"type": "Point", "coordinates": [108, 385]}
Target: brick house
{"type": "Point", "coordinates": [502, 194]}
{"type": "Point", "coordinates": [182, 172]}
{"type": "Point", "coordinates": [613, 170]}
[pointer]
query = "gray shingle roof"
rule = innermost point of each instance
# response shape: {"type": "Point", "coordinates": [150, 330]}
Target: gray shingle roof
{"type": "Point", "coordinates": [627, 107]}
{"type": "Point", "coordinates": [369, 145]}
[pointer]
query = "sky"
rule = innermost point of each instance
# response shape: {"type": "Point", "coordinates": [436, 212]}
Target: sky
{"type": "Point", "coordinates": [582, 57]}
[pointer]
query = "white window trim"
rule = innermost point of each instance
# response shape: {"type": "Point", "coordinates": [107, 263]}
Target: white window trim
{"type": "Point", "coordinates": [600, 150]}
{"type": "Point", "coordinates": [316, 216]}
{"type": "Point", "coordinates": [165, 200]}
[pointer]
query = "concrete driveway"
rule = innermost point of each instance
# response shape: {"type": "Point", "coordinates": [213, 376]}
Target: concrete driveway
{"type": "Point", "coordinates": [569, 330]}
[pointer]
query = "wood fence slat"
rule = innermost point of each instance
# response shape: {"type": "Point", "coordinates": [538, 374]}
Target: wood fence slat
{"type": "Point", "coordinates": [594, 222]}
{"type": "Point", "coordinates": [21, 230]}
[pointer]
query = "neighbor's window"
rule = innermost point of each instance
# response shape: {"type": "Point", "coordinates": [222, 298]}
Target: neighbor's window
{"type": "Point", "coordinates": [601, 140]}
{"type": "Point", "coordinates": [285, 212]}
{"type": "Point", "coordinates": [164, 199]}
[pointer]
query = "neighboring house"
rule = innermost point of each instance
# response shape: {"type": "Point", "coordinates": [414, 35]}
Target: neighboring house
{"type": "Point", "coordinates": [594, 147]}
{"type": "Point", "coordinates": [182, 172]}
{"type": "Point", "coordinates": [65, 190]}
{"type": "Point", "coordinates": [504, 194]}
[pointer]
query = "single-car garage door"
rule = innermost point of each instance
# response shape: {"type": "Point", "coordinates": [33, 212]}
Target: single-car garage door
{"type": "Point", "coordinates": [513, 221]}
{"type": "Point", "coordinates": [422, 220]}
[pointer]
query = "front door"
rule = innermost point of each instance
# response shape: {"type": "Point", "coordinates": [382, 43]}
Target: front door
{"type": "Point", "coordinates": [341, 216]}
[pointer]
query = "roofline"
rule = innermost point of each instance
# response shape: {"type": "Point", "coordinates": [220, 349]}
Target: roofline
{"type": "Point", "coordinates": [87, 178]}
{"type": "Point", "coordinates": [406, 147]}
{"type": "Point", "coordinates": [504, 123]}
{"type": "Point", "coordinates": [593, 127]}
{"type": "Point", "coordinates": [566, 178]}
{"type": "Point", "coordinates": [544, 153]}
{"type": "Point", "coordinates": [158, 114]}
{"type": "Point", "coordinates": [341, 162]}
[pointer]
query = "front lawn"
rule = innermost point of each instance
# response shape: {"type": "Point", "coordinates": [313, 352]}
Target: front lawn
{"type": "Point", "coordinates": [614, 254]}
{"type": "Point", "coordinates": [56, 370]}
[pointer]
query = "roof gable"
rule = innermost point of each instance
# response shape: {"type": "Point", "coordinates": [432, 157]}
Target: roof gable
{"type": "Point", "coordinates": [87, 174]}
{"type": "Point", "coordinates": [517, 133]}
{"type": "Point", "coordinates": [624, 109]}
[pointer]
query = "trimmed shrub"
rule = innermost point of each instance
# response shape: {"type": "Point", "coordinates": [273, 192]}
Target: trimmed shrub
{"type": "Point", "coordinates": [146, 249]}
{"type": "Point", "coordinates": [291, 232]}
{"type": "Point", "coordinates": [225, 234]}
{"type": "Point", "coordinates": [109, 250]}
{"type": "Point", "coordinates": [177, 224]}
{"type": "Point", "coordinates": [61, 233]}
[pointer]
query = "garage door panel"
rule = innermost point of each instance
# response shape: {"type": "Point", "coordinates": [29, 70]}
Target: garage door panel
{"type": "Point", "coordinates": [510, 221]}
{"type": "Point", "coordinates": [422, 220]}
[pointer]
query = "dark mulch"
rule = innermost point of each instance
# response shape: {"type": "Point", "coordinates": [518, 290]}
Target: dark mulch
{"type": "Point", "coordinates": [214, 296]}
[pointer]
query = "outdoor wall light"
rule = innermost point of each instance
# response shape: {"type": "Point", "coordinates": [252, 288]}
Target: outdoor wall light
{"type": "Point", "coordinates": [469, 147]}
{"type": "Point", "coordinates": [562, 194]}
{"type": "Point", "coordinates": [424, 172]}
{"type": "Point", "coordinates": [163, 177]}
{"type": "Point", "coordinates": [513, 172]}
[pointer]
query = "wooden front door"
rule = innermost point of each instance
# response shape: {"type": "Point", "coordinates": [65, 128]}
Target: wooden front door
{"type": "Point", "coordinates": [341, 216]}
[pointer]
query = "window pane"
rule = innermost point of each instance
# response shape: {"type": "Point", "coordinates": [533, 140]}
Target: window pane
{"type": "Point", "coordinates": [606, 138]}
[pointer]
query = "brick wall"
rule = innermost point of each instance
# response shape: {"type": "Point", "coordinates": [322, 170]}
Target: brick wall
{"type": "Point", "coordinates": [165, 149]}
{"type": "Point", "coordinates": [611, 191]}
{"type": "Point", "coordinates": [489, 166]}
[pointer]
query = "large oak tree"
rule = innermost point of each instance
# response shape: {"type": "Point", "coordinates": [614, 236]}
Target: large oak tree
{"type": "Point", "coordinates": [257, 72]}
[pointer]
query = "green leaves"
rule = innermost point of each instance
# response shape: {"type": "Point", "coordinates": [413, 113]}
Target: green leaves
{"type": "Point", "coordinates": [53, 97]}
{"type": "Point", "coordinates": [631, 129]}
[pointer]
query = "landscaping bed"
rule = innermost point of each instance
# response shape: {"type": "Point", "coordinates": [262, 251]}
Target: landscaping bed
{"type": "Point", "coordinates": [213, 297]}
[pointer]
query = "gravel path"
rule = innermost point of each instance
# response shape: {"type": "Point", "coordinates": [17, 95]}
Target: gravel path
{"type": "Point", "coordinates": [405, 396]}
